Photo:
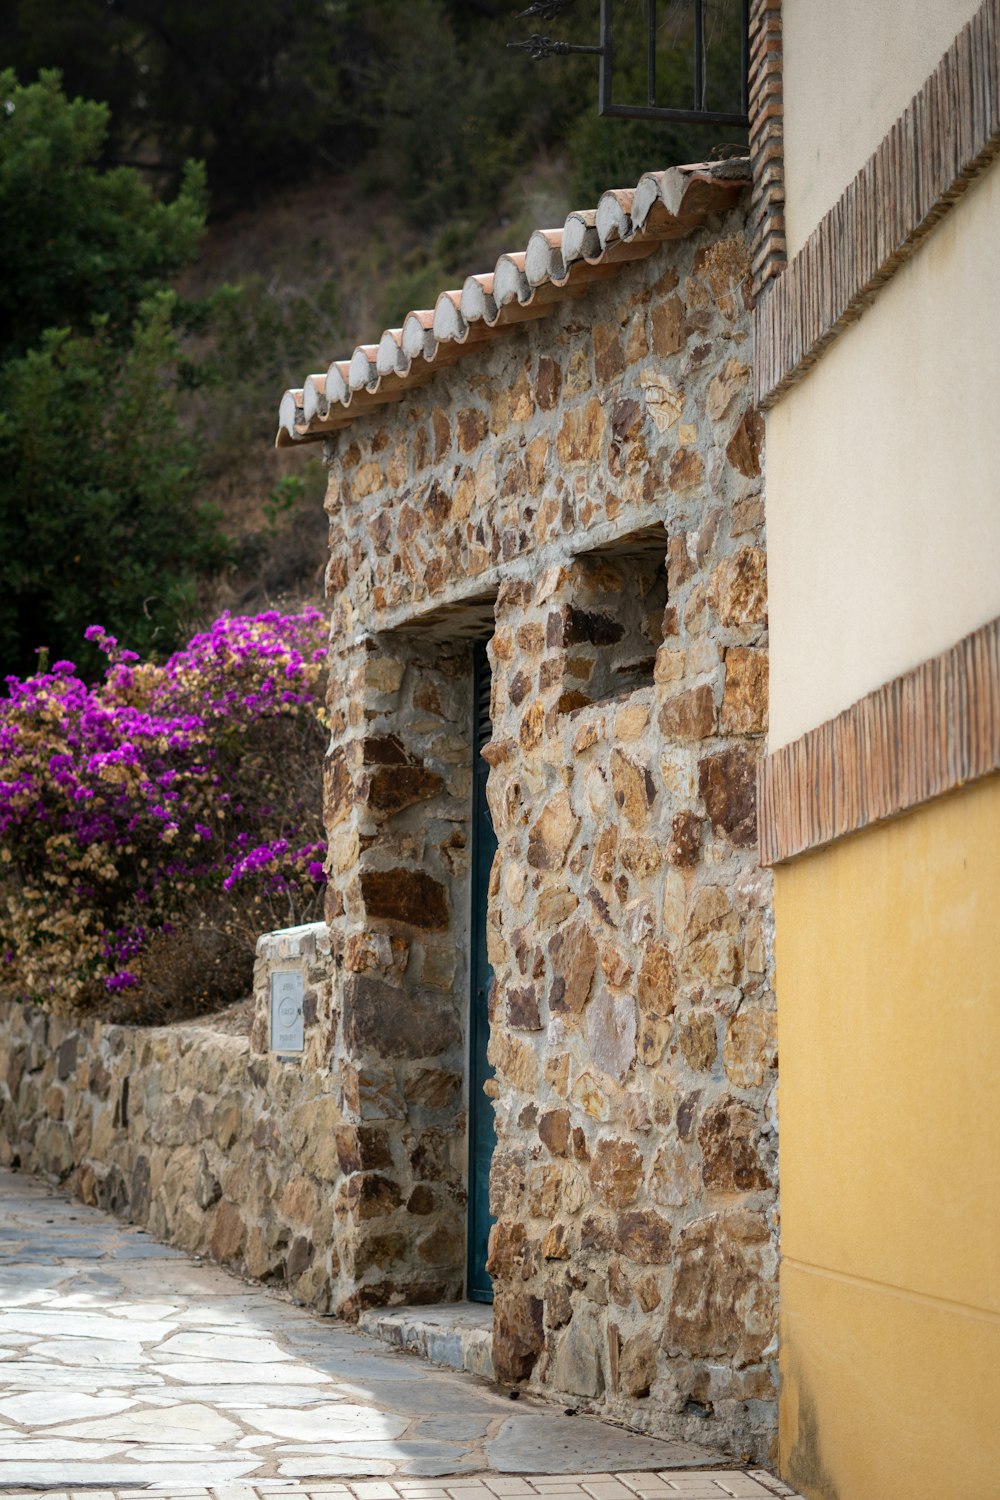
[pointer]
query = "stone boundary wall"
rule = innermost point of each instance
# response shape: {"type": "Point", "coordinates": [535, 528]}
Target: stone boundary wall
{"type": "Point", "coordinates": [174, 1128]}
{"type": "Point", "coordinates": [266, 1165]}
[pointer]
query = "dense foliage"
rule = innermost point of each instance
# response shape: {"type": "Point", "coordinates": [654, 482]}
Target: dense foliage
{"type": "Point", "coordinates": [154, 823]}
{"type": "Point", "coordinates": [98, 478]}
{"type": "Point", "coordinates": [423, 94]}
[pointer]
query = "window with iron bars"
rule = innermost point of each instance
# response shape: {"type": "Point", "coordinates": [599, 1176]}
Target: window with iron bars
{"type": "Point", "coordinates": [689, 58]}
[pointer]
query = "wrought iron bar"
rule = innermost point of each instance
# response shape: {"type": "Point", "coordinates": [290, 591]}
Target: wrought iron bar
{"type": "Point", "coordinates": [699, 55]}
{"type": "Point", "coordinates": [538, 46]}
{"type": "Point", "coordinates": [543, 46]}
{"type": "Point", "coordinates": [545, 10]}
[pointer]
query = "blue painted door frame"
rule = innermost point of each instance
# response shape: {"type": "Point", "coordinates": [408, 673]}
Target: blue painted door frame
{"type": "Point", "coordinates": [482, 1133]}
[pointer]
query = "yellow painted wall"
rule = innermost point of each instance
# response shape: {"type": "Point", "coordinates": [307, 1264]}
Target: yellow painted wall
{"type": "Point", "coordinates": [888, 973]}
{"type": "Point", "coordinates": [883, 479]}
{"type": "Point", "coordinates": [850, 69]}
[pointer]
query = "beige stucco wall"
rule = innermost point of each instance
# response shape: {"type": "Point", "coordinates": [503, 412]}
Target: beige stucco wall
{"type": "Point", "coordinates": [850, 69]}
{"type": "Point", "coordinates": [883, 480]}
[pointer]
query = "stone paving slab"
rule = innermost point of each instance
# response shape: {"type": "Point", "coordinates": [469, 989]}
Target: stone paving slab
{"type": "Point", "coordinates": [128, 1368]}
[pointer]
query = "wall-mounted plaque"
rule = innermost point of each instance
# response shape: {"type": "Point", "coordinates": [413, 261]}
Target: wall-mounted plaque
{"type": "Point", "coordinates": [287, 1026]}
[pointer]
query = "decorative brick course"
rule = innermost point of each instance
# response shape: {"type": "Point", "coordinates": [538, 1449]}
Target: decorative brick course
{"type": "Point", "coordinates": [946, 136]}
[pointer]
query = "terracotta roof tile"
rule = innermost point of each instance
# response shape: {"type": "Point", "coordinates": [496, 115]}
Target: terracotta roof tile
{"type": "Point", "coordinates": [627, 224]}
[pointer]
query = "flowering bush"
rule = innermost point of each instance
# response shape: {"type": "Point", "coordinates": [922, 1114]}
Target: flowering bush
{"type": "Point", "coordinates": [154, 823]}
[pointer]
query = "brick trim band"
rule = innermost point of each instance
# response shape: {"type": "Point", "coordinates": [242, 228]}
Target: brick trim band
{"type": "Point", "coordinates": [913, 739]}
{"type": "Point", "coordinates": [767, 153]}
{"type": "Point", "coordinates": [944, 138]}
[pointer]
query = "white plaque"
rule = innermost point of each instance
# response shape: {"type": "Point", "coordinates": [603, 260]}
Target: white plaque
{"type": "Point", "coordinates": [287, 1026]}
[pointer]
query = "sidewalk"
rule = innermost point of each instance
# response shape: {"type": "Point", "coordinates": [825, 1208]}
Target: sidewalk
{"type": "Point", "coordinates": [128, 1368]}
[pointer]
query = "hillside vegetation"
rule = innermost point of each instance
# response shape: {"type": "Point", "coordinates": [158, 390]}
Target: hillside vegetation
{"type": "Point", "coordinates": [358, 157]}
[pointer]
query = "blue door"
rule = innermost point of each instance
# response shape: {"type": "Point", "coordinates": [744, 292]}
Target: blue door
{"type": "Point", "coordinates": [482, 1134]}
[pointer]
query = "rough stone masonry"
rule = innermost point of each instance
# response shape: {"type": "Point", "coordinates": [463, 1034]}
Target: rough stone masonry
{"type": "Point", "coordinates": [585, 493]}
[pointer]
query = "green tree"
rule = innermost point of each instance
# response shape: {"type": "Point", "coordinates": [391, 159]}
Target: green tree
{"type": "Point", "coordinates": [98, 520]}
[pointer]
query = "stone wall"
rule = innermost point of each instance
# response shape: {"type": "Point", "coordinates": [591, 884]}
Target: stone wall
{"type": "Point", "coordinates": [285, 1169]}
{"type": "Point", "coordinates": [585, 493]}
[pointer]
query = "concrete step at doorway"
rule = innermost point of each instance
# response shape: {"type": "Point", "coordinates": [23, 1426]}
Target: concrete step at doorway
{"type": "Point", "coordinates": [456, 1334]}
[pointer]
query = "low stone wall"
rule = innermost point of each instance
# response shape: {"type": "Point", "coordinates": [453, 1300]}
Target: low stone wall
{"type": "Point", "coordinates": [264, 1164]}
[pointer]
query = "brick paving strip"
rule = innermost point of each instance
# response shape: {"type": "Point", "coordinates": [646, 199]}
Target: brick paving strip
{"type": "Point", "coordinates": [129, 1369]}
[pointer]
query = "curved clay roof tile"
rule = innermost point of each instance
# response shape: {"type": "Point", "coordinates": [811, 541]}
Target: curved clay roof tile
{"type": "Point", "coordinates": [558, 263]}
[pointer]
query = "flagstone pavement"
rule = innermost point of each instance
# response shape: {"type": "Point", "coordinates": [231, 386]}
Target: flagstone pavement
{"type": "Point", "coordinates": [129, 1368]}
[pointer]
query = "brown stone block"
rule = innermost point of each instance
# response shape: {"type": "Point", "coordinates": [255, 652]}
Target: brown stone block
{"type": "Point", "coordinates": [727, 1137]}
{"type": "Point", "coordinates": [553, 1131]}
{"type": "Point", "coordinates": [743, 448]}
{"type": "Point", "coordinates": [643, 1236]}
{"type": "Point", "coordinates": [612, 1028]}
{"type": "Point", "coordinates": [727, 784]}
{"type": "Point", "coordinates": [371, 1196]}
{"type": "Point", "coordinates": [657, 982]}
{"type": "Point", "coordinates": [648, 1294]}
{"type": "Point", "coordinates": [626, 420]}
{"type": "Point", "coordinates": [597, 1233]}
{"type": "Point", "coordinates": [532, 726]}
{"type": "Point", "coordinates": [548, 383]}
{"type": "Point", "coordinates": [514, 1061]}
{"type": "Point", "coordinates": [544, 1191]}
{"type": "Point", "coordinates": [443, 1247]}
{"type": "Point", "coordinates": [522, 1008]}
{"type": "Point", "coordinates": [724, 388]}
{"type": "Point", "coordinates": [411, 897]}
{"type": "Point", "coordinates": [634, 788]}
{"type": "Point", "coordinates": [558, 1305]}
{"type": "Point", "coordinates": [338, 788]}
{"type": "Point", "coordinates": [609, 357]}
{"type": "Point", "coordinates": [744, 702]}
{"type": "Point", "coordinates": [432, 1088]}
{"type": "Point", "coordinates": [579, 437]}
{"type": "Point", "coordinates": [684, 848]}
{"type": "Point", "coordinates": [518, 1335]}
{"type": "Point", "coordinates": [228, 1232]}
{"type": "Point", "coordinates": [619, 1290]}
{"type": "Point", "coordinates": [750, 1050]}
{"type": "Point", "coordinates": [472, 427]}
{"type": "Point", "coordinates": [574, 955]}
{"type": "Point", "coordinates": [507, 1181]}
{"type": "Point", "coordinates": [531, 638]}
{"type": "Point", "coordinates": [390, 789]}
{"type": "Point", "coordinates": [738, 588]}
{"type": "Point", "coordinates": [442, 433]}
{"type": "Point", "coordinates": [698, 1042]}
{"type": "Point", "coordinates": [710, 912]}
{"type": "Point", "coordinates": [615, 1172]}
{"type": "Point", "coordinates": [637, 1365]}
{"type": "Point", "coordinates": [300, 1200]}
{"type": "Point", "coordinates": [689, 715]}
{"type": "Point", "coordinates": [669, 327]}
{"type": "Point", "coordinates": [422, 1200]}
{"type": "Point", "coordinates": [552, 834]}
{"type": "Point", "coordinates": [393, 1022]}
{"type": "Point", "coordinates": [724, 1295]}
{"type": "Point", "coordinates": [687, 469]}
{"type": "Point", "coordinates": [300, 1257]}
{"type": "Point", "coordinates": [360, 1148]}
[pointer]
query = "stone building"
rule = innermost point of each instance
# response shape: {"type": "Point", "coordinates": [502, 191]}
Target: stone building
{"type": "Point", "coordinates": [550, 999]}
